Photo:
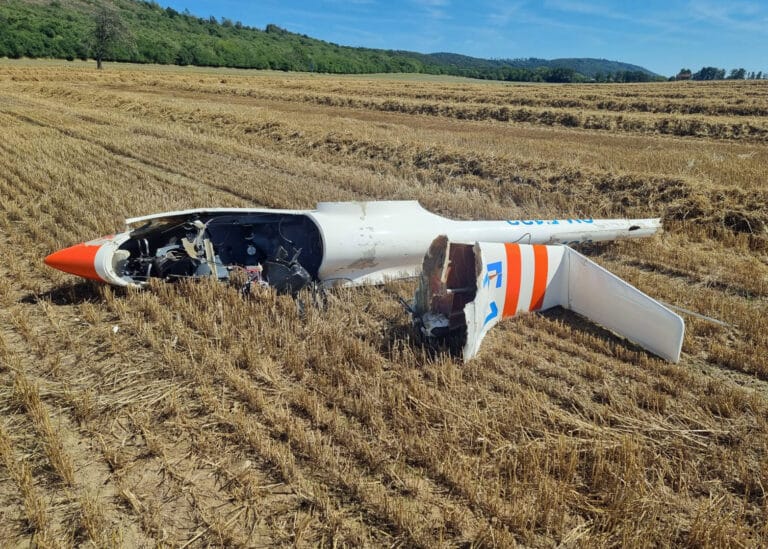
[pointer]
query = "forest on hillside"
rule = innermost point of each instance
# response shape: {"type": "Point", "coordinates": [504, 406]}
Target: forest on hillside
{"type": "Point", "coordinates": [64, 29]}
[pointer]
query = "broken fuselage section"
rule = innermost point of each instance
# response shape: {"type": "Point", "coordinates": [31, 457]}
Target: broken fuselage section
{"type": "Point", "coordinates": [466, 289]}
{"type": "Point", "coordinates": [348, 243]}
{"type": "Point", "coordinates": [277, 248]}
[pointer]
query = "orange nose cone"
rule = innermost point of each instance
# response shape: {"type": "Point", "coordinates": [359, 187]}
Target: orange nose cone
{"type": "Point", "coordinates": [77, 260]}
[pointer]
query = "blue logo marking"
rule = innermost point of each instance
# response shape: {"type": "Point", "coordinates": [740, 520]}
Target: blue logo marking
{"type": "Point", "coordinates": [493, 314]}
{"type": "Point", "coordinates": [492, 267]}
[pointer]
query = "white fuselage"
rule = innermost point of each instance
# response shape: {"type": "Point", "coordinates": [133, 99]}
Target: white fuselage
{"type": "Point", "coordinates": [371, 242]}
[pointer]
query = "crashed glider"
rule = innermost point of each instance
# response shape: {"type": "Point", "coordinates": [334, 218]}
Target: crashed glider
{"type": "Point", "coordinates": [351, 243]}
{"type": "Point", "coordinates": [466, 289]}
{"type": "Point", "coordinates": [347, 243]}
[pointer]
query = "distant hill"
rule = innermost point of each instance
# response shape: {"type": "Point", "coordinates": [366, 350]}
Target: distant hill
{"type": "Point", "coordinates": [586, 66]}
{"type": "Point", "coordinates": [63, 29]}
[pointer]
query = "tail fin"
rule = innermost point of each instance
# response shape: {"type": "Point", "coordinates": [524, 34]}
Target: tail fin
{"type": "Point", "coordinates": [465, 290]}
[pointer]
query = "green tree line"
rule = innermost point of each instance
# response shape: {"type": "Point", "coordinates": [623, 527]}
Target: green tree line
{"type": "Point", "coordinates": [714, 73]}
{"type": "Point", "coordinates": [65, 29]}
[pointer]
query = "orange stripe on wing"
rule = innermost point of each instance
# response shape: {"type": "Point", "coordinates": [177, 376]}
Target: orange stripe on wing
{"type": "Point", "coordinates": [514, 271]}
{"type": "Point", "coordinates": [540, 276]}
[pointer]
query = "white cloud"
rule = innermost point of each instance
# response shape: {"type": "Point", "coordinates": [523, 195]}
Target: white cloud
{"type": "Point", "coordinates": [434, 9]}
{"type": "Point", "coordinates": [732, 16]}
{"type": "Point", "coordinates": [502, 14]}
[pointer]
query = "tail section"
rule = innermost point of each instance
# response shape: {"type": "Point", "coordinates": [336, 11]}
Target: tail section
{"type": "Point", "coordinates": [466, 289]}
{"type": "Point", "coordinates": [609, 301]}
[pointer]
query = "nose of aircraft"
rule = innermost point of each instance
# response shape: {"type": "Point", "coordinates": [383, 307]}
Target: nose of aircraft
{"type": "Point", "coordinates": [78, 260]}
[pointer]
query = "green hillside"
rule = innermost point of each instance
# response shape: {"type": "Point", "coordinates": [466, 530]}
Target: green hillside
{"type": "Point", "coordinates": [587, 67]}
{"type": "Point", "coordinates": [63, 29]}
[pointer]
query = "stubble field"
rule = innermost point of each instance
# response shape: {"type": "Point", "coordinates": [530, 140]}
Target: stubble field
{"type": "Point", "coordinates": [187, 416]}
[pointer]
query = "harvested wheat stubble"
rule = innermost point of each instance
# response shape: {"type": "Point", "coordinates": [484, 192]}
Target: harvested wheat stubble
{"type": "Point", "coordinates": [187, 416]}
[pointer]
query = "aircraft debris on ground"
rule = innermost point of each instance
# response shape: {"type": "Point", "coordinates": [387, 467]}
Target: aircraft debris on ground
{"type": "Point", "coordinates": [466, 289]}
{"type": "Point", "coordinates": [474, 273]}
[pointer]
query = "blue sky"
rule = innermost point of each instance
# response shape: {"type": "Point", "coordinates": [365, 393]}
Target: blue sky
{"type": "Point", "coordinates": [661, 35]}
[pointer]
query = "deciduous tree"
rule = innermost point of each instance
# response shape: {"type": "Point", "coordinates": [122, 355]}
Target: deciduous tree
{"type": "Point", "coordinates": [709, 73]}
{"type": "Point", "coordinates": [107, 32]}
{"type": "Point", "coordinates": [737, 74]}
